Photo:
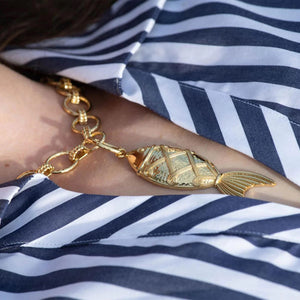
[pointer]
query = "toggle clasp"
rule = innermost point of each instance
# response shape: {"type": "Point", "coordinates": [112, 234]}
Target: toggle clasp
{"type": "Point", "coordinates": [119, 152]}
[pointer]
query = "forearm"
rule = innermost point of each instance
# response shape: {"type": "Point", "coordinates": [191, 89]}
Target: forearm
{"type": "Point", "coordinates": [34, 126]}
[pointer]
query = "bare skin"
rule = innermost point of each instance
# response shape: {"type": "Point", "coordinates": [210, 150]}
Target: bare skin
{"type": "Point", "coordinates": [34, 126]}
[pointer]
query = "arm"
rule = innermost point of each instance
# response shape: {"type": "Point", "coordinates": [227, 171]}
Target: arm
{"type": "Point", "coordinates": [34, 126]}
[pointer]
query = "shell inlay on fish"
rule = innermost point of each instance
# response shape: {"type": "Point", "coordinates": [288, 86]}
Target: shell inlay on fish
{"type": "Point", "coordinates": [183, 169]}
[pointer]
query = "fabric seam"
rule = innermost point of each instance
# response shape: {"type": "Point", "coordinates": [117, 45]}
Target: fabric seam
{"type": "Point", "coordinates": [202, 90]}
{"type": "Point", "coordinates": [5, 246]}
{"type": "Point", "coordinates": [241, 100]}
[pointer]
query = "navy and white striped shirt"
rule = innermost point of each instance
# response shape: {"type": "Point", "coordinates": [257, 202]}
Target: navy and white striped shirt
{"type": "Point", "coordinates": [227, 70]}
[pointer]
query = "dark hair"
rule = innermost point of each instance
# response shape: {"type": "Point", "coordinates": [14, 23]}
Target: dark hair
{"type": "Point", "coordinates": [29, 21]}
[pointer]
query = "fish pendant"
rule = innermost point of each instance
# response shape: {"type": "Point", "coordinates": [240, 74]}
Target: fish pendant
{"type": "Point", "coordinates": [183, 169]}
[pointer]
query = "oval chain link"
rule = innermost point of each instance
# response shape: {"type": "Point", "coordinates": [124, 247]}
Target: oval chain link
{"type": "Point", "coordinates": [93, 138]}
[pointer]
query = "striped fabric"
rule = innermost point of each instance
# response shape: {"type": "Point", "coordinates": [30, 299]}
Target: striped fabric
{"type": "Point", "coordinates": [226, 70]}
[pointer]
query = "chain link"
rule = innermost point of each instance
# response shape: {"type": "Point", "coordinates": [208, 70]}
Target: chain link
{"type": "Point", "coordinates": [93, 138]}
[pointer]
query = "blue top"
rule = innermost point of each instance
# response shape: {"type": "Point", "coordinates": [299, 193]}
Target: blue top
{"type": "Point", "coordinates": [226, 70]}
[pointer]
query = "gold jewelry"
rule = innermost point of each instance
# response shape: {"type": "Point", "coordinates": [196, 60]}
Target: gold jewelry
{"type": "Point", "coordinates": [166, 166]}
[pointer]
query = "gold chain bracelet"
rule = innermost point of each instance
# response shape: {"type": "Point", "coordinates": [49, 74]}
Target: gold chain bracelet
{"type": "Point", "coordinates": [165, 166]}
{"type": "Point", "coordinates": [93, 138]}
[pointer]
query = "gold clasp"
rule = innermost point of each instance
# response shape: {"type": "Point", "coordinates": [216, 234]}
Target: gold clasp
{"type": "Point", "coordinates": [119, 152]}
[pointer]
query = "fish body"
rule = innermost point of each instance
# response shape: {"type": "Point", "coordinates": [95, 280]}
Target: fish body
{"type": "Point", "coordinates": [173, 167]}
{"type": "Point", "coordinates": [183, 169]}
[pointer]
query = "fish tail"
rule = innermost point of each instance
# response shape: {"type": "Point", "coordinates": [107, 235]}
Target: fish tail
{"type": "Point", "coordinates": [238, 182]}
